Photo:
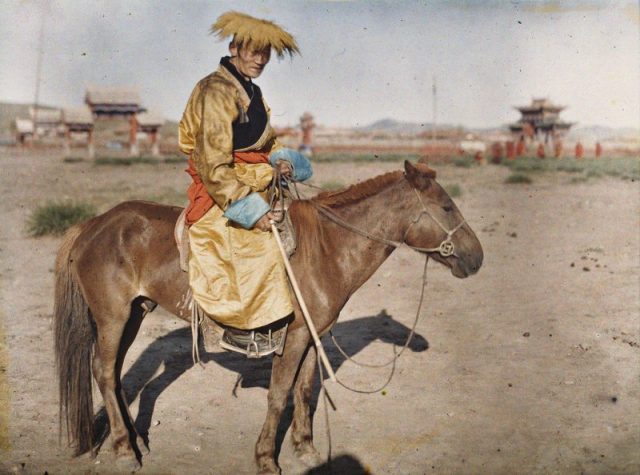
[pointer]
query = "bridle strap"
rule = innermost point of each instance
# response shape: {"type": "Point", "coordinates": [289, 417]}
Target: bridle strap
{"type": "Point", "coordinates": [446, 247]}
{"type": "Point", "coordinates": [326, 212]}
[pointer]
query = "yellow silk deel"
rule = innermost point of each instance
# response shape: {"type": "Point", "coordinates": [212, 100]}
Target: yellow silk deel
{"type": "Point", "coordinates": [237, 275]}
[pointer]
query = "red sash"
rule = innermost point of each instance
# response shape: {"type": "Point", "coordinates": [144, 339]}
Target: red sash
{"type": "Point", "coordinates": [199, 199]}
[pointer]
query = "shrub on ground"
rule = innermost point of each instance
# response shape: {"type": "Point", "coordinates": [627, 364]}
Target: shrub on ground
{"type": "Point", "coordinates": [55, 218]}
{"type": "Point", "coordinates": [518, 178]}
{"type": "Point", "coordinates": [463, 162]}
{"type": "Point", "coordinates": [72, 159]}
{"type": "Point", "coordinates": [622, 167]}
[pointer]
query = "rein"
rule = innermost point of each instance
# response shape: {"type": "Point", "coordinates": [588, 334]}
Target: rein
{"type": "Point", "coordinates": [396, 355]}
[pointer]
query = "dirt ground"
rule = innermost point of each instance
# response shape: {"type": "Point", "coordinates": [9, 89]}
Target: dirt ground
{"type": "Point", "coordinates": [531, 366]}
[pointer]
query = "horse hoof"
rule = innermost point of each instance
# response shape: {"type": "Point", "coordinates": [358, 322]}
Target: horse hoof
{"type": "Point", "coordinates": [309, 457]}
{"type": "Point", "coordinates": [142, 446]}
{"type": "Point", "coordinates": [269, 469]}
{"type": "Point", "coordinates": [128, 464]}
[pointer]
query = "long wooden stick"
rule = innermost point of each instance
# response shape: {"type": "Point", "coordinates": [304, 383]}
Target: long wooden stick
{"type": "Point", "coordinates": [303, 306]}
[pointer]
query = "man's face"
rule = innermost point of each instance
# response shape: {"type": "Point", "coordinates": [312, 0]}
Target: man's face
{"type": "Point", "coordinates": [248, 61]}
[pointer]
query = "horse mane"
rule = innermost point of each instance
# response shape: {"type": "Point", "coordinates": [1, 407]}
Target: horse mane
{"type": "Point", "coordinates": [309, 231]}
{"type": "Point", "coordinates": [358, 191]}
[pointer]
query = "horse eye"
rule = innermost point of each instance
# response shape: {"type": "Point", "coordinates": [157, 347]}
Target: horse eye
{"type": "Point", "coordinates": [447, 208]}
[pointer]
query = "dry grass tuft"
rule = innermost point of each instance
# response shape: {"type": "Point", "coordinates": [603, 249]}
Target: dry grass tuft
{"type": "Point", "coordinates": [56, 217]}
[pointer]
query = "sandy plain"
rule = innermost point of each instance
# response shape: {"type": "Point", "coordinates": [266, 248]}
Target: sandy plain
{"type": "Point", "coordinates": [531, 366]}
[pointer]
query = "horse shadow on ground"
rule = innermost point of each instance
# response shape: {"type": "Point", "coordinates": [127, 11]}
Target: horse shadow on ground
{"type": "Point", "coordinates": [343, 463]}
{"type": "Point", "coordinates": [172, 352]}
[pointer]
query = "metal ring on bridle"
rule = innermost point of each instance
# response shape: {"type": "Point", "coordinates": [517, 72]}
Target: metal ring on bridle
{"type": "Point", "coordinates": [446, 248]}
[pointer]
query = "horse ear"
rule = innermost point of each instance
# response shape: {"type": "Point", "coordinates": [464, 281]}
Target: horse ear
{"type": "Point", "coordinates": [415, 177]}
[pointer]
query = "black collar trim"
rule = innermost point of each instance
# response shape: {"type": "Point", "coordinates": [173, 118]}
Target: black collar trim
{"type": "Point", "coordinates": [246, 84]}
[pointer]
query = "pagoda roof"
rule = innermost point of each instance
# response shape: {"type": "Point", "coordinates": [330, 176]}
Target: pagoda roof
{"type": "Point", "coordinates": [112, 95]}
{"type": "Point", "coordinates": [77, 115]}
{"type": "Point", "coordinates": [46, 116]}
{"type": "Point", "coordinates": [540, 104]}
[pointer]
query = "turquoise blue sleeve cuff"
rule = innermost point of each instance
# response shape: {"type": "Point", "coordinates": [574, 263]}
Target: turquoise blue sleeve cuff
{"type": "Point", "coordinates": [301, 165]}
{"type": "Point", "coordinates": [247, 211]}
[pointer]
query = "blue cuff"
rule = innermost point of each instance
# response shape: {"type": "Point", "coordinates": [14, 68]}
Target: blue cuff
{"type": "Point", "coordinates": [301, 165]}
{"type": "Point", "coordinates": [247, 211]}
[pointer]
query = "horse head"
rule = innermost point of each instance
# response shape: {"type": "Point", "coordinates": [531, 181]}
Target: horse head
{"type": "Point", "coordinates": [436, 225]}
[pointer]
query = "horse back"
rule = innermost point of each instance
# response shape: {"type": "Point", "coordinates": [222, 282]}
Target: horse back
{"type": "Point", "coordinates": [129, 250]}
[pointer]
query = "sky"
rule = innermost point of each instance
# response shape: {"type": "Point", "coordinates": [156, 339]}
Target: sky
{"type": "Point", "coordinates": [361, 61]}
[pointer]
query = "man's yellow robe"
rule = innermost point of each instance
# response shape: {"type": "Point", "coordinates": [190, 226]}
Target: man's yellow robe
{"type": "Point", "coordinates": [236, 275]}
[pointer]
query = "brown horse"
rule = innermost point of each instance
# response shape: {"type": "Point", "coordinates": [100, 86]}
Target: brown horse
{"type": "Point", "coordinates": [113, 268]}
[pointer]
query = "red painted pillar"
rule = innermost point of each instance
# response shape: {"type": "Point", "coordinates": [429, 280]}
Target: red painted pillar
{"type": "Point", "coordinates": [497, 152]}
{"type": "Point", "coordinates": [133, 136]}
{"type": "Point", "coordinates": [598, 150]}
{"type": "Point", "coordinates": [579, 151]}
{"type": "Point", "coordinates": [511, 150]}
{"type": "Point", "coordinates": [155, 149]}
{"type": "Point", "coordinates": [557, 148]}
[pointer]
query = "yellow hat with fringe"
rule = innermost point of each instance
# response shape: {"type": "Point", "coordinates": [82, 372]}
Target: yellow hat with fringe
{"type": "Point", "coordinates": [261, 34]}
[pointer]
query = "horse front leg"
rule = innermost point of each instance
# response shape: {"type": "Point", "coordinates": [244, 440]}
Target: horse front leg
{"type": "Point", "coordinates": [282, 376]}
{"type": "Point", "coordinates": [301, 427]}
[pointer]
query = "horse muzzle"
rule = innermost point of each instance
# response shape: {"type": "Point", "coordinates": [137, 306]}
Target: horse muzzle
{"type": "Point", "coordinates": [463, 263]}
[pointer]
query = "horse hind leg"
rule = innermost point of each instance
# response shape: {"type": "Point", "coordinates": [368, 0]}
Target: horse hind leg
{"type": "Point", "coordinates": [301, 427]}
{"type": "Point", "coordinates": [107, 362]}
{"type": "Point", "coordinates": [139, 309]}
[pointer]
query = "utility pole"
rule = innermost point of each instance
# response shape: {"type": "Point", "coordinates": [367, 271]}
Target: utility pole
{"type": "Point", "coordinates": [38, 75]}
{"type": "Point", "coordinates": [435, 110]}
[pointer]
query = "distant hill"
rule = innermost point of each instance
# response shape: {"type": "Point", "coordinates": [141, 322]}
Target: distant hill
{"type": "Point", "coordinates": [601, 133]}
{"type": "Point", "coordinates": [396, 126]}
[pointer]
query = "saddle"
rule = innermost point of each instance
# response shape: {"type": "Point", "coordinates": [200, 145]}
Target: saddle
{"type": "Point", "coordinates": [181, 235]}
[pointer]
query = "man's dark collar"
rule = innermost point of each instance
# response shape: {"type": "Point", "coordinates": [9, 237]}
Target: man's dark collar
{"type": "Point", "coordinates": [226, 62]}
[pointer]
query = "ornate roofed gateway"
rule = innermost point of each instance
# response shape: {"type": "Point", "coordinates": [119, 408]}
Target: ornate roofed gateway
{"type": "Point", "coordinates": [113, 101]}
{"type": "Point", "coordinates": [540, 120]}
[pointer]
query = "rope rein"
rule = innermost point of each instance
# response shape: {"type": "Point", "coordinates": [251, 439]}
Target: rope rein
{"type": "Point", "coordinates": [396, 355]}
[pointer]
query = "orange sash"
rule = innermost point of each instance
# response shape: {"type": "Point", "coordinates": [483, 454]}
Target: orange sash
{"type": "Point", "coordinates": [199, 200]}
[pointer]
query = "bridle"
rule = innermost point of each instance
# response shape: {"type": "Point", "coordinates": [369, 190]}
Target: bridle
{"type": "Point", "coordinates": [446, 248]}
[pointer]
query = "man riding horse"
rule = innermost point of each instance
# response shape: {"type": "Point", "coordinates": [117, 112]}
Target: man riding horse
{"type": "Point", "coordinates": [236, 273]}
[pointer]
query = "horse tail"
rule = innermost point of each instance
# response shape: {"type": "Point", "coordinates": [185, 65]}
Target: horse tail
{"type": "Point", "coordinates": [74, 338]}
